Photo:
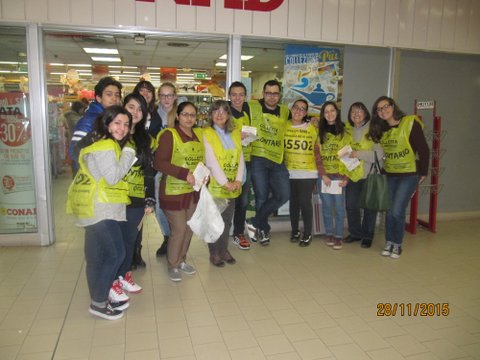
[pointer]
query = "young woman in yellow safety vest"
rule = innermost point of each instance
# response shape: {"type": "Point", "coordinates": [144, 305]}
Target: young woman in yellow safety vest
{"type": "Point", "coordinates": [301, 142]}
{"type": "Point", "coordinates": [98, 197]}
{"type": "Point", "coordinates": [403, 142]}
{"type": "Point", "coordinates": [179, 151]}
{"type": "Point", "coordinates": [224, 158]}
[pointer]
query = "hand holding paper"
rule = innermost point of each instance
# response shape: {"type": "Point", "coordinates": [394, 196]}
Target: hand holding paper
{"type": "Point", "coordinates": [201, 174]}
{"type": "Point", "coordinates": [344, 156]}
{"type": "Point", "coordinates": [249, 134]}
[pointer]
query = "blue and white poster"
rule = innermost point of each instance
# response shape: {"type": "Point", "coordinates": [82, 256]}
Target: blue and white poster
{"type": "Point", "coordinates": [311, 73]}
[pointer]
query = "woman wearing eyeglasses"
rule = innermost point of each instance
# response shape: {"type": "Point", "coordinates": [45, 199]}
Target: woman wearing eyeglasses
{"type": "Point", "coordinates": [301, 142]}
{"type": "Point", "coordinates": [403, 142]}
{"type": "Point", "coordinates": [180, 150]}
{"type": "Point", "coordinates": [224, 158]}
{"type": "Point", "coordinates": [361, 223]}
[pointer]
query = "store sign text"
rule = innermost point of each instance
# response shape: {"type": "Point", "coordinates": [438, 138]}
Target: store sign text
{"type": "Point", "coordinates": [254, 5]}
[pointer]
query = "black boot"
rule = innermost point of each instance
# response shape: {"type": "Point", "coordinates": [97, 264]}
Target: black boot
{"type": "Point", "coordinates": [162, 250]}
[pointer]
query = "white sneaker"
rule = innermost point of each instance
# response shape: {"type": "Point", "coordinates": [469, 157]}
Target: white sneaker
{"type": "Point", "coordinates": [128, 284]}
{"type": "Point", "coordinates": [174, 274]}
{"type": "Point", "coordinates": [387, 249]}
{"type": "Point", "coordinates": [116, 293]}
{"type": "Point", "coordinates": [187, 269]}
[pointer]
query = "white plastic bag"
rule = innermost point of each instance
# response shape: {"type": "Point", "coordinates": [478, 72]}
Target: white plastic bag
{"type": "Point", "coordinates": [206, 222]}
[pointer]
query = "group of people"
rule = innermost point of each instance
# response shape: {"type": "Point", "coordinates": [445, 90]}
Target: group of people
{"type": "Point", "coordinates": [138, 157]}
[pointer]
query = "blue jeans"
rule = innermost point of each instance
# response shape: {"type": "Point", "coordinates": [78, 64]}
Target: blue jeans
{"type": "Point", "coordinates": [241, 203]}
{"type": "Point", "coordinates": [104, 253]}
{"type": "Point", "coordinates": [333, 204]}
{"type": "Point", "coordinates": [358, 226]}
{"type": "Point", "coordinates": [271, 185]}
{"type": "Point", "coordinates": [130, 233]}
{"type": "Point", "coordinates": [161, 217]}
{"type": "Point", "coordinates": [401, 190]}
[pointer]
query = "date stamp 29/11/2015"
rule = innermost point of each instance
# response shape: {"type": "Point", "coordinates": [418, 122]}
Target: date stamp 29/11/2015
{"type": "Point", "coordinates": [413, 309]}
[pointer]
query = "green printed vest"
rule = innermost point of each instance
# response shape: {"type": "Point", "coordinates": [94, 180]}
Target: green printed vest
{"type": "Point", "coordinates": [135, 176]}
{"type": "Point", "coordinates": [399, 156]}
{"type": "Point", "coordinates": [227, 159]}
{"type": "Point", "coordinates": [363, 145]}
{"type": "Point", "coordinates": [329, 153]}
{"type": "Point", "coordinates": [299, 147]}
{"type": "Point", "coordinates": [187, 155]}
{"type": "Point", "coordinates": [238, 123]}
{"type": "Point", "coordinates": [270, 132]}
{"type": "Point", "coordinates": [81, 193]}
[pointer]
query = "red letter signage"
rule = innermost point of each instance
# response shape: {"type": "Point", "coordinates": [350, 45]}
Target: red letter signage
{"type": "Point", "coordinates": [254, 5]}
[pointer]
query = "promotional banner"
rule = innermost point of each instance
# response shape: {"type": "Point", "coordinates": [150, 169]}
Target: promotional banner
{"type": "Point", "coordinates": [17, 196]}
{"type": "Point", "coordinates": [311, 73]}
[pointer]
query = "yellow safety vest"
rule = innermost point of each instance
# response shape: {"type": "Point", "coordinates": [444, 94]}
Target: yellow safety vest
{"type": "Point", "coordinates": [363, 145]}
{"type": "Point", "coordinates": [329, 153]}
{"type": "Point", "coordinates": [238, 123]}
{"type": "Point", "coordinates": [187, 155]}
{"type": "Point", "coordinates": [81, 193]}
{"type": "Point", "coordinates": [270, 132]}
{"type": "Point", "coordinates": [399, 156]}
{"type": "Point", "coordinates": [299, 147]}
{"type": "Point", "coordinates": [135, 176]}
{"type": "Point", "coordinates": [228, 159]}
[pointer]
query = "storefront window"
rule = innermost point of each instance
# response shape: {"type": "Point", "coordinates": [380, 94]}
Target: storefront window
{"type": "Point", "coordinates": [17, 195]}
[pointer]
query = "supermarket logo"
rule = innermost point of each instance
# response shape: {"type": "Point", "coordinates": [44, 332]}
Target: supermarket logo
{"type": "Point", "coordinates": [254, 5]}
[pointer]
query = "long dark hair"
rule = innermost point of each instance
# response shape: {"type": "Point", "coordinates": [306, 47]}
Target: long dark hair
{"type": "Point", "coordinates": [140, 136]}
{"type": "Point", "coordinates": [152, 107]}
{"type": "Point", "coordinates": [323, 125]}
{"type": "Point", "coordinates": [378, 126]}
{"type": "Point", "coordinates": [103, 120]}
{"type": "Point", "coordinates": [182, 106]}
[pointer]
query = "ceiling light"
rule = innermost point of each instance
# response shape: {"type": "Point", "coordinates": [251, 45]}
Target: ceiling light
{"type": "Point", "coordinates": [221, 64]}
{"type": "Point", "coordinates": [243, 57]}
{"type": "Point", "coordinates": [56, 64]}
{"type": "Point", "coordinates": [106, 59]}
{"type": "Point", "coordinates": [101, 51]}
{"type": "Point", "coordinates": [79, 65]}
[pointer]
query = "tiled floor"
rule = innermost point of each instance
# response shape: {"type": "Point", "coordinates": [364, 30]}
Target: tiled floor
{"type": "Point", "coordinates": [281, 302]}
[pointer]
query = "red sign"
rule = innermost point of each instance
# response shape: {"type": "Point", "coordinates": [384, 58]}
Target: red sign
{"type": "Point", "coordinates": [254, 5]}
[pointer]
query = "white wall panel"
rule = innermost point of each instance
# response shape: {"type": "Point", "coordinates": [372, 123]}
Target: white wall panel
{"type": "Point", "coordinates": [124, 11]}
{"type": "Point", "coordinates": [145, 14]}
{"type": "Point", "coordinates": [461, 24]}
{"type": "Point", "coordinates": [346, 20]}
{"type": "Point", "coordinates": [296, 16]}
{"type": "Point", "coordinates": [330, 20]}
{"type": "Point", "coordinates": [13, 9]}
{"type": "Point", "coordinates": [58, 11]}
{"type": "Point", "coordinates": [313, 19]}
{"type": "Point", "coordinates": [362, 21]}
{"type": "Point", "coordinates": [377, 22]}
{"type": "Point", "coordinates": [392, 11]}
{"type": "Point", "coordinates": [224, 18]}
{"type": "Point", "coordinates": [406, 22]}
{"type": "Point", "coordinates": [186, 17]}
{"type": "Point", "coordinates": [434, 28]}
{"type": "Point", "coordinates": [166, 14]}
{"type": "Point", "coordinates": [36, 10]}
{"type": "Point", "coordinates": [473, 38]}
{"type": "Point", "coordinates": [81, 12]}
{"type": "Point", "coordinates": [420, 24]}
{"type": "Point", "coordinates": [448, 24]}
{"type": "Point", "coordinates": [261, 23]}
{"type": "Point", "coordinates": [242, 22]}
{"type": "Point", "coordinates": [103, 12]}
{"type": "Point", "coordinates": [205, 18]}
{"type": "Point", "coordinates": [279, 20]}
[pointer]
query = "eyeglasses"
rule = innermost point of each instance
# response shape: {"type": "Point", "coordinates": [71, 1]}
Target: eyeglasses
{"type": "Point", "coordinates": [383, 108]}
{"type": "Point", "coordinates": [219, 112]}
{"type": "Point", "coordinates": [298, 108]}
{"type": "Point", "coordinates": [272, 94]}
{"type": "Point", "coordinates": [167, 96]}
{"type": "Point", "coordinates": [190, 115]}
